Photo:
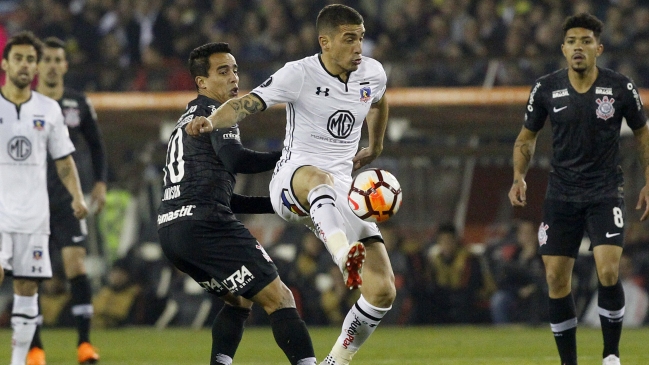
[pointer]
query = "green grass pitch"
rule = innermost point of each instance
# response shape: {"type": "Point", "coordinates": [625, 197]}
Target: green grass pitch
{"type": "Point", "coordinates": [387, 346]}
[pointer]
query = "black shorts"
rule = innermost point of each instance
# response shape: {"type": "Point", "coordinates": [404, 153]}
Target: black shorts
{"type": "Point", "coordinates": [66, 230]}
{"type": "Point", "coordinates": [222, 258]}
{"type": "Point", "coordinates": [564, 224]}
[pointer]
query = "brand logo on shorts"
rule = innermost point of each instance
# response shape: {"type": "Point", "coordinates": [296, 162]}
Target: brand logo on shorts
{"type": "Point", "coordinates": [263, 252]}
{"type": "Point", "coordinates": [605, 109]}
{"type": "Point", "coordinates": [238, 279]}
{"type": "Point", "coordinates": [543, 234]}
{"type": "Point", "coordinates": [185, 211]}
{"type": "Point", "coordinates": [212, 285]}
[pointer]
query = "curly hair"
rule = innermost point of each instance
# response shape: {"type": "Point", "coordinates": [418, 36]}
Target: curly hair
{"type": "Point", "coordinates": [583, 20]}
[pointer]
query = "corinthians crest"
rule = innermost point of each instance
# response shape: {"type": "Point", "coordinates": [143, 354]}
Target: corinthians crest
{"type": "Point", "coordinates": [605, 109]}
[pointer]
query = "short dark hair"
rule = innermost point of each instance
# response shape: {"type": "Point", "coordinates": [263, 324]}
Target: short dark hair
{"type": "Point", "coordinates": [22, 38]}
{"type": "Point", "coordinates": [583, 20]}
{"type": "Point", "coordinates": [199, 58]}
{"type": "Point", "coordinates": [54, 42]}
{"type": "Point", "coordinates": [334, 15]}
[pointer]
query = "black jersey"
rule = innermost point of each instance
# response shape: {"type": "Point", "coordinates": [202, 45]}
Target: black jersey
{"type": "Point", "coordinates": [199, 174]}
{"type": "Point", "coordinates": [585, 132]}
{"type": "Point", "coordinates": [90, 155]}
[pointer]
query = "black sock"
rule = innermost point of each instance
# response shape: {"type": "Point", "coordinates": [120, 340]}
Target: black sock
{"type": "Point", "coordinates": [81, 306]}
{"type": "Point", "coordinates": [227, 331]}
{"type": "Point", "coordinates": [563, 320]}
{"type": "Point", "coordinates": [36, 340]}
{"type": "Point", "coordinates": [291, 335]}
{"type": "Point", "coordinates": [610, 302]}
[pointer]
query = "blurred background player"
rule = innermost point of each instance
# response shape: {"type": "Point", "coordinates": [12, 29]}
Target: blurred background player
{"type": "Point", "coordinates": [328, 96]}
{"type": "Point", "coordinates": [586, 105]}
{"type": "Point", "coordinates": [198, 230]}
{"type": "Point", "coordinates": [32, 125]}
{"type": "Point", "coordinates": [68, 236]}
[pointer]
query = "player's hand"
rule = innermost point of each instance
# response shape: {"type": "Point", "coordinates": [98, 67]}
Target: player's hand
{"type": "Point", "coordinates": [643, 199]}
{"type": "Point", "coordinates": [364, 157]}
{"type": "Point", "coordinates": [80, 209]}
{"type": "Point", "coordinates": [98, 197]}
{"type": "Point", "coordinates": [517, 193]}
{"type": "Point", "coordinates": [199, 125]}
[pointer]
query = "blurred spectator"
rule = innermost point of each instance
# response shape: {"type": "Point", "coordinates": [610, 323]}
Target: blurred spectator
{"type": "Point", "coordinates": [114, 304]}
{"type": "Point", "coordinates": [636, 299]}
{"type": "Point", "coordinates": [462, 284]}
{"type": "Point", "coordinates": [520, 278]}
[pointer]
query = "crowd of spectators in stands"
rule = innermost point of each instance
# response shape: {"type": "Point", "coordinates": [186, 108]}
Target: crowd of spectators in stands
{"type": "Point", "coordinates": [118, 45]}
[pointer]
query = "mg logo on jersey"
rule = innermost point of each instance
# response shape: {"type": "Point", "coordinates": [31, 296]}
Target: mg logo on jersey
{"type": "Point", "coordinates": [238, 279]}
{"type": "Point", "coordinates": [19, 148]}
{"type": "Point", "coordinates": [605, 109]}
{"type": "Point", "coordinates": [340, 124]}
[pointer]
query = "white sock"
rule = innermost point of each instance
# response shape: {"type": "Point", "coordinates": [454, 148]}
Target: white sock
{"type": "Point", "coordinates": [327, 220]}
{"type": "Point", "coordinates": [361, 321]}
{"type": "Point", "coordinates": [24, 316]}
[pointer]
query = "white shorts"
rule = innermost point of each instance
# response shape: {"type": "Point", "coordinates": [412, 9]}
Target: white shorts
{"type": "Point", "coordinates": [287, 206]}
{"type": "Point", "coordinates": [27, 256]}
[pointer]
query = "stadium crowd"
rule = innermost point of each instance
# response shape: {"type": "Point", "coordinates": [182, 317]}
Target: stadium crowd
{"type": "Point", "coordinates": [117, 45]}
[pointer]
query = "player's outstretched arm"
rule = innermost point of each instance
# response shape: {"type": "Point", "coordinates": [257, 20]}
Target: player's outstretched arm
{"type": "Point", "coordinates": [642, 136]}
{"type": "Point", "coordinates": [67, 171]}
{"type": "Point", "coordinates": [523, 152]}
{"type": "Point", "coordinates": [377, 121]}
{"type": "Point", "coordinates": [228, 114]}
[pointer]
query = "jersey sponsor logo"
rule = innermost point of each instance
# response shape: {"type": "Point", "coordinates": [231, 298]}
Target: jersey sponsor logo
{"type": "Point", "coordinates": [19, 148]}
{"type": "Point", "coordinates": [340, 124]}
{"type": "Point", "coordinates": [263, 252]}
{"type": "Point", "coordinates": [185, 211]}
{"type": "Point", "coordinates": [605, 110]}
{"type": "Point", "coordinates": [267, 82]}
{"type": "Point", "coordinates": [212, 285]}
{"type": "Point", "coordinates": [319, 90]}
{"type": "Point", "coordinates": [231, 135]}
{"type": "Point", "coordinates": [529, 104]}
{"type": "Point", "coordinates": [71, 117]}
{"type": "Point", "coordinates": [559, 93]}
{"type": "Point", "coordinates": [39, 124]}
{"type": "Point", "coordinates": [366, 94]}
{"type": "Point", "coordinates": [238, 279]}
{"type": "Point", "coordinates": [543, 234]}
{"type": "Point", "coordinates": [288, 202]}
{"type": "Point", "coordinates": [171, 192]}
{"type": "Point", "coordinates": [604, 91]}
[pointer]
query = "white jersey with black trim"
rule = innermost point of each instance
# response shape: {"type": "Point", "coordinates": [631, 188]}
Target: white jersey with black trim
{"type": "Point", "coordinates": [324, 114]}
{"type": "Point", "coordinates": [27, 133]}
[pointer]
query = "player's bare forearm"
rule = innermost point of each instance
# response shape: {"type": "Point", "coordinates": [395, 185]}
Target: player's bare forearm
{"type": "Point", "coordinates": [523, 152]}
{"type": "Point", "coordinates": [642, 138]}
{"type": "Point", "coordinates": [67, 171]}
{"type": "Point", "coordinates": [235, 110]}
{"type": "Point", "coordinates": [377, 122]}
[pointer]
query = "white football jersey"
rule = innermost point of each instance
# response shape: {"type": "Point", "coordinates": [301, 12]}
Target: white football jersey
{"type": "Point", "coordinates": [27, 133]}
{"type": "Point", "coordinates": [324, 115]}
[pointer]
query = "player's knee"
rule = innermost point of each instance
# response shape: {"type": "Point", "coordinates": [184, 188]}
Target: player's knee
{"type": "Point", "coordinates": [557, 281]}
{"type": "Point", "coordinates": [383, 292]}
{"type": "Point", "coordinates": [608, 275]}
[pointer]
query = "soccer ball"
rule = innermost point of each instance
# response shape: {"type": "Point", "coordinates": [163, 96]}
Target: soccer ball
{"type": "Point", "coordinates": [375, 195]}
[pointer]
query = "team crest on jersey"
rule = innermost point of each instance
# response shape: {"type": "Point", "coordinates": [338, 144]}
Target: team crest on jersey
{"type": "Point", "coordinates": [543, 234]}
{"type": "Point", "coordinates": [38, 253]}
{"type": "Point", "coordinates": [39, 124]}
{"type": "Point", "coordinates": [72, 118]}
{"type": "Point", "coordinates": [288, 202]}
{"type": "Point", "coordinates": [605, 109]}
{"type": "Point", "coordinates": [366, 94]}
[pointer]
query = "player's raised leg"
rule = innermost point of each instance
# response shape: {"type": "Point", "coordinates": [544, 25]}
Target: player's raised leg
{"type": "Point", "coordinates": [563, 315]}
{"type": "Point", "coordinates": [610, 300]}
{"type": "Point", "coordinates": [376, 299]}
{"type": "Point", "coordinates": [315, 189]}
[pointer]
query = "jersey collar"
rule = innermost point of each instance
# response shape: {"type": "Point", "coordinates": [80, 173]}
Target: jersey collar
{"type": "Point", "coordinates": [349, 74]}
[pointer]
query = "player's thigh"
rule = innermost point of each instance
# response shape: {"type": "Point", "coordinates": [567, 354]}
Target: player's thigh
{"type": "Point", "coordinates": [284, 198]}
{"type": "Point", "coordinates": [222, 258]}
{"type": "Point", "coordinates": [605, 222]}
{"type": "Point", "coordinates": [562, 229]}
{"type": "Point", "coordinates": [26, 256]}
